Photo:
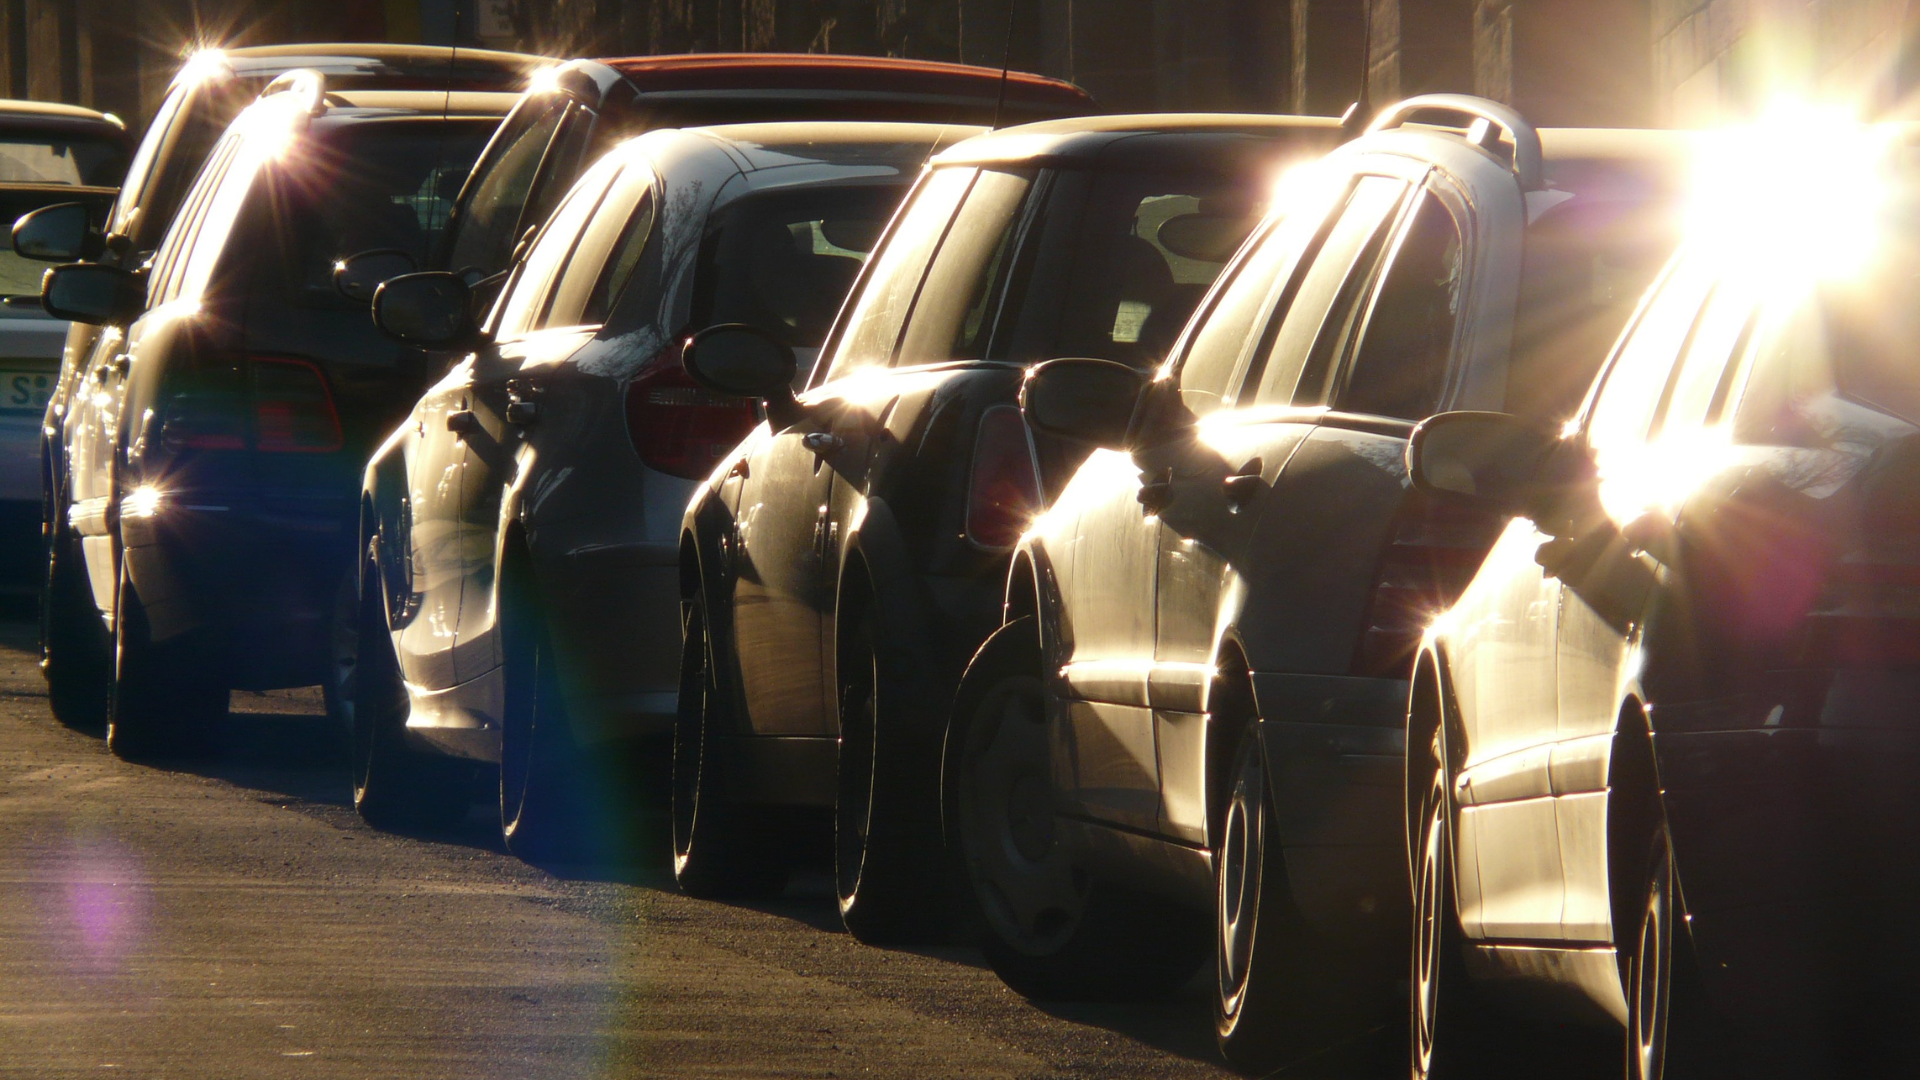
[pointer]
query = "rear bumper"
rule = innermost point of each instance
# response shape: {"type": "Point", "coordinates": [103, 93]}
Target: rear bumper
{"type": "Point", "coordinates": [1795, 814]}
{"type": "Point", "coordinates": [1336, 747]}
{"type": "Point", "coordinates": [256, 578]}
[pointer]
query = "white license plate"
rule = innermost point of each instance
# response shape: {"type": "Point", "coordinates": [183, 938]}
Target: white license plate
{"type": "Point", "coordinates": [25, 392]}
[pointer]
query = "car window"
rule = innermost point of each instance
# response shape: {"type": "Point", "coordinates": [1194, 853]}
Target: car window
{"type": "Point", "coordinates": [361, 187]}
{"type": "Point", "coordinates": [144, 156]}
{"type": "Point", "coordinates": [1221, 337]}
{"type": "Point", "coordinates": [1623, 410]}
{"type": "Point", "coordinates": [1699, 388]}
{"type": "Point", "coordinates": [1124, 256]}
{"type": "Point", "coordinates": [1337, 271]}
{"type": "Point", "coordinates": [204, 116]}
{"type": "Point", "coordinates": [526, 305]}
{"type": "Point", "coordinates": [170, 259]}
{"type": "Point", "coordinates": [873, 323]}
{"type": "Point", "coordinates": [784, 261]}
{"type": "Point", "coordinates": [952, 318]}
{"type": "Point", "coordinates": [607, 254]}
{"type": "Point", "coordinates": [75, 162]}
{"type": "Point", "coordinates": [1400, 366]}
{"type": "Point", "coordinates": [485, 234]}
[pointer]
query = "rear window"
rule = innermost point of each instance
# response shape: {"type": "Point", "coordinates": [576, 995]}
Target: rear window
{"type": "Point", "coordinates": [784, 261]}
{"type": "Point", "coordinates": [1586, 261]}
{"type": "Point", "coordinates": [1124, 258]}
{"type": "Point", "coordinates": [42, 159]}
{"type": "Point", "coordinates": [362, 187]}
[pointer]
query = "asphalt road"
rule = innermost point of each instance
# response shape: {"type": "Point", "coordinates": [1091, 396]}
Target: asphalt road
{"type": "Point", "coordinates": [232, 917]}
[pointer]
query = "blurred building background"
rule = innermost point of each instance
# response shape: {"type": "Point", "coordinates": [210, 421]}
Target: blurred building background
{"type": "Point", "coordinates": [1560, 61]}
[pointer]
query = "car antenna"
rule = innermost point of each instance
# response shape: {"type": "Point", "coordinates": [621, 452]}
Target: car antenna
{"type": "Point", "coordinates": [1006, 65]}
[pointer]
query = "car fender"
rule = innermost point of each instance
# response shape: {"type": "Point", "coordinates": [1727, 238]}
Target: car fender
{"type": "Point", "coordinates": [874, 562]}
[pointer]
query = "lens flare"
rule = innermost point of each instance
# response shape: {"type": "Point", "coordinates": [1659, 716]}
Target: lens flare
{"type": "Point", "coordinates": [144, 501]}
{"type": "Point", "coordinates": [1792, 198]}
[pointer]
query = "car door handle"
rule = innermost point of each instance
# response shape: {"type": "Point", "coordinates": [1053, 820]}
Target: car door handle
{"type": "Point", "coordinates": [522, 412]}
{"type": "Point", "coordinates": [462, 422]}
{"type": "Point", "coordinates": [1156, 491]}
{"type": "Point", "coordinates": [822, 442]}
{"type": "Point", "coordinates": [1245, 486]}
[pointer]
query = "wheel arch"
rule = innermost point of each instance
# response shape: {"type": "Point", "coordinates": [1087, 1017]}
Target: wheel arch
{"type": "Point", "coordinates": [1231, 709]}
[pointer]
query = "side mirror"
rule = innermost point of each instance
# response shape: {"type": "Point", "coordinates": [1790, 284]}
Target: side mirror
{"type": "Point", "coordinates": [1496, 461]}
{"type": "Point", "coordinates": [432, 309]}
{"type": "Point", "coordinates": [92, 293]}
{"type": "Point", "coordinates": [58, 233]}
{"type": "Point", "coordinates": [742, 361]}
{"type": "Point", "coordinates": [358, 276]}
{"type": "Point", "coordinates": [1089, 401]}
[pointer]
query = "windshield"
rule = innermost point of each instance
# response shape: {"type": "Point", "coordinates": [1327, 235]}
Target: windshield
{"type": "Point", "coordinates": [784, 261]}
{"type": "Point", "coordinates": [45, 159]}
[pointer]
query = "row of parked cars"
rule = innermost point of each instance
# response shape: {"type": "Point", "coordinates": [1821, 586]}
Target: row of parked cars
{"type": "Point", "coordinates": [1130, 542]}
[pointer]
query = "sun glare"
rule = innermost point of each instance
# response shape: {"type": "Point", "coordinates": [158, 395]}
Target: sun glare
{"type": "Point", "coordinates": [1795, 196]}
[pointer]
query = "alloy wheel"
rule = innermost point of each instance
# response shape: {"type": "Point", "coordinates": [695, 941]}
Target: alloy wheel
{"type": "Point", "coordinates": [1652, 974]}
{"type": "Point", "coordinates": [1239, 880]}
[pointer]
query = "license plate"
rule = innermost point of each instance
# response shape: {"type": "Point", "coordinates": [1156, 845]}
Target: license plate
{"type": "Point", "coordinates": [25, 393]}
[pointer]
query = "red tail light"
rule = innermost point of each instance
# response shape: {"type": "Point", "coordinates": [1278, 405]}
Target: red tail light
{"type": "Point", "coordinates": [679, 427]}
{"type": "Point", "coordinates": [293, 411]}
{"type": "Point", "coordinates": [1435, 551]}
{"type": "Point", "coordinates": [1003, 492]}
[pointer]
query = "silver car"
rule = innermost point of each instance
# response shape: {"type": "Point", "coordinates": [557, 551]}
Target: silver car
{"type": "Point", "coordinates": [519, 600]}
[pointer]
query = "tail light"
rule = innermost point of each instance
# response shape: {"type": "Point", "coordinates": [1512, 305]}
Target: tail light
{"type": "Point", "coordinates": [285, 409]}
{"type": "Point", "coordinates": [1867, 616]}
{"type": "Point", "coordinates": [1435, 551]}
{"type": "Point", "coordinates": [293, 411]}
{"type": "Point", "coordinates": [1003, 492]}
{"type": "Point", "coordinates": [679, 427]}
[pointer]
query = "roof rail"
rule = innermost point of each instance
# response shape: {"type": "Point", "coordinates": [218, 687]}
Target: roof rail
{"type": "Point", "coordinates": [310, 85]}
{"type": "Point", "coordinates": [1487, 118]}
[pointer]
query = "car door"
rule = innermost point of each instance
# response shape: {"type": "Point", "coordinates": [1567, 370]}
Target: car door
{"type": "Point", "coordinates": [1227, 493]}
{"type": "Point", "coordinates": [1646, 433]}
{"type": "Point", "coordinates": [544, 321]}
{"type": "Point", "coordinates": [783, 580]}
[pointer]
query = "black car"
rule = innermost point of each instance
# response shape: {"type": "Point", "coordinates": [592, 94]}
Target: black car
{"type": "Point", "coordinates": [214, 461]}
{"type": "Point", "coordinates": [209, 90]}
{"type": "Point", "coordinates": [842, 565]}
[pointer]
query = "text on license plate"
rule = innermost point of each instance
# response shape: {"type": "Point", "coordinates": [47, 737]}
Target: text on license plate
{"type": "Point", "coordinates": [25, 393]}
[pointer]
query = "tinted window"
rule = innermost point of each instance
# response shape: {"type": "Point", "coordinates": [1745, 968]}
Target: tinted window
{"type": "Point", "coordinates": [953, 317]}
{"type": "Point", "coordinates": [170, 259]}
{"type": "Point", "coordinates": [149, 150]}
{"type": "Point", "coordinates": [1400, 367]}
{"type": "Point", "coordinates": [873, 324]}
{"type": "Point", "coordinates": [1328, 286]}
{"type": "Point", "coordinates": [204, 115]}
{"type": "Point", "coordinates": [486, 232]}
{"type": "Point", "coordinates": [1222, 337]}
{"type": "Point", "coordinates": [784, 261]}
{"type": "Point", "coordinates": [526, 304]}
{"type": "Point", "coordinates": [359, 187]}
{"type": "Point", "coordinates": [1140, 250]}
{"type": "Point", "coordinates": [607, 254]}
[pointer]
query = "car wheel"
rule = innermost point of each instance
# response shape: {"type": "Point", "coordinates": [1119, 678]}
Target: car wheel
{"type": "Point", "coordinates": [546, 786]}
{"type": "Point", "coordinates": [885, 836]}
{"type": "Point", "coordinates": [721, 849]}
{"type": "Point", "coordinates": [1048, 928]}
{"type": "Point", "coordinates": [163, 699]}
{"type": "Point", "coordinates": [394, 785]}
{"type": "Point", "coordinates": [1272, 986]}
{"type": "Point", "coordinates": [1652, 971]}
{"type": "Point", "coordinates": [76, 656]}
{"type": "Point", "coordinates": [1445, 1036]}
{"type": "Point", "coordinates": [343, 652]}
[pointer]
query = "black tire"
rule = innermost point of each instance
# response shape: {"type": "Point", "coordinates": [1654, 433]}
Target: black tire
{"type": "Point", "coordinates": [165, 699]}
{"type": "Point", "coordinates": [1448, 1034]}
{"type": "Point", "coordinates": [1277, 989]}
{"type": "Point", "coordinates": [76, 650]}
{"type": "Point", "coordinates": [721, 849]}
{"type": "Point", "coordinates": [343, 652]}
{"type": "Point", "coordinates": [1049, 930]}
{"type": "Point", "coordinates": [1650, 974]}
{"type": "Point", "coordinates": [886, 861]}
{"type": "Point", "coordinates": [549, 792]}
{"type": "Point", "coordinates": [395, 786]}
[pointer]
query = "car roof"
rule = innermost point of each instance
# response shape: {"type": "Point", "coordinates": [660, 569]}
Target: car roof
{"type": "Point", "coordinates": [426, 66]}
{"type": "Point", "coordinates": [17, 109]}
{"type": "Point", "coordinates": [369, 104]}
{"type": "Point", "coordinates": [774, 145]}
{"type": "Point", "coordinates": [1083, 140]}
